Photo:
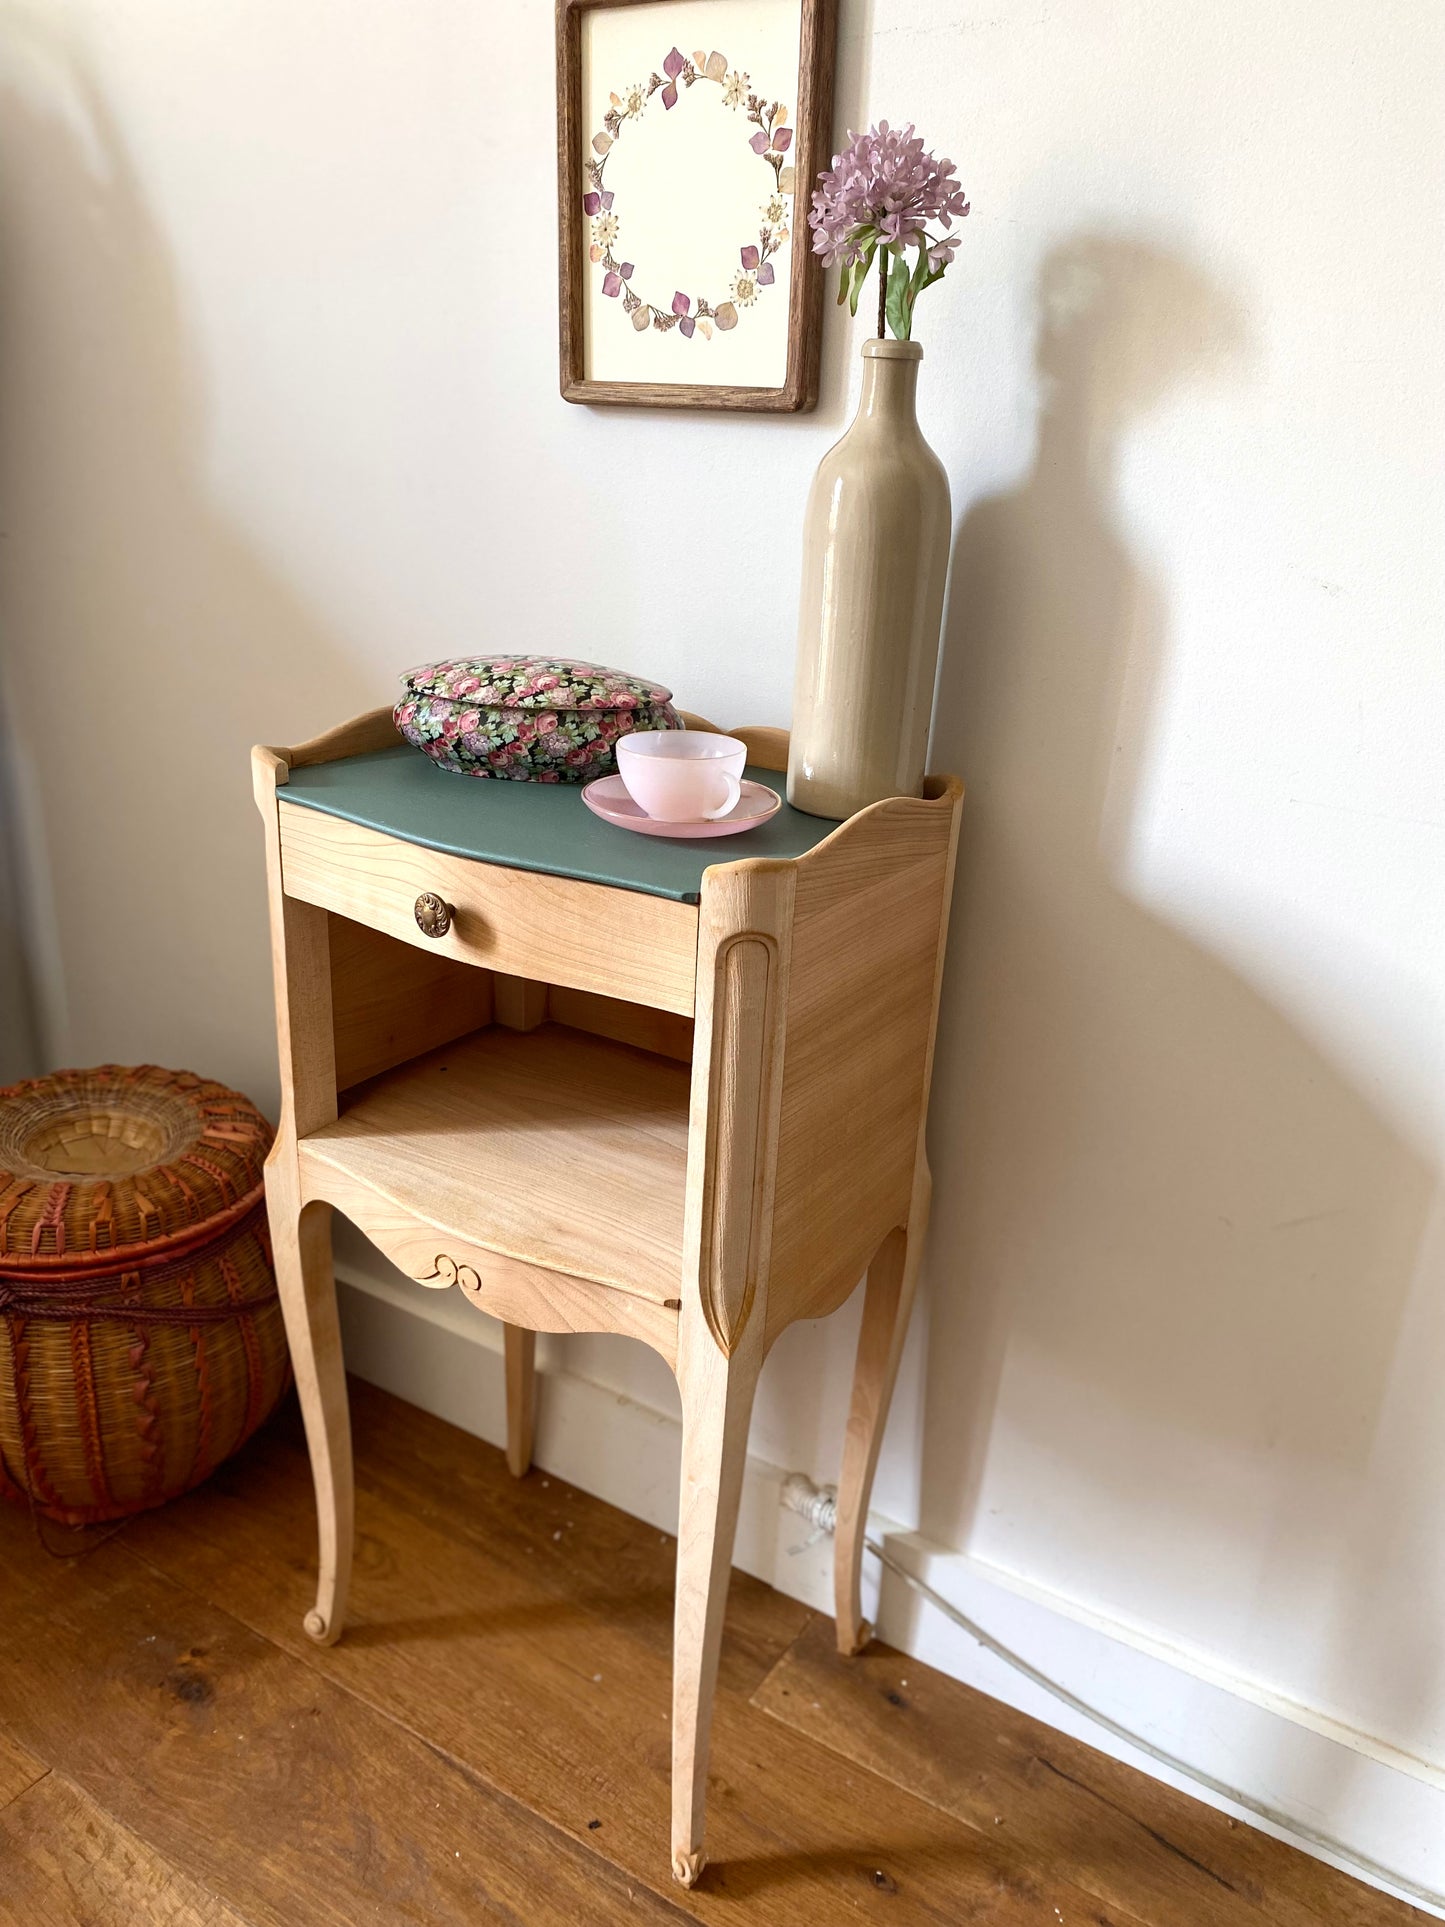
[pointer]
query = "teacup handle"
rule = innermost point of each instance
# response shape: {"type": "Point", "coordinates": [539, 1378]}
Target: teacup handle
{"type": "Point", "coordinates": [735, 790]}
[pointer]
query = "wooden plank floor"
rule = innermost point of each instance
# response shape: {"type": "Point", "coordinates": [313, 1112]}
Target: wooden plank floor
{"type": "Point", "coordinates": [489, 1742]}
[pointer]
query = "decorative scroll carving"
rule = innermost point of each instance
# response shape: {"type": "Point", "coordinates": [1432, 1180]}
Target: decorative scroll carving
{"type": "Point", "coordinates": [744, 987]}
{"type": "Point", "coordinates": [687, 1867]}
{"type": "Point", "coordinates": [446, 1271]}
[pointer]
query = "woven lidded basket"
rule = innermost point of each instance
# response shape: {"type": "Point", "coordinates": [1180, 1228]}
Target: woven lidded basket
{"type": "Point", "coordinates": [141, 1339]}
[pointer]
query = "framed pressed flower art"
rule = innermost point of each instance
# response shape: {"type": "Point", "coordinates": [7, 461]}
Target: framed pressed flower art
{"type": "Point", "coordinates": [689, 132]}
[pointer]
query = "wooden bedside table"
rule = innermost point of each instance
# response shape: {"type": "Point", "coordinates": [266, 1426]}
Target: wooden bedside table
{"type": "Point", "coordinates": [604, 1083]}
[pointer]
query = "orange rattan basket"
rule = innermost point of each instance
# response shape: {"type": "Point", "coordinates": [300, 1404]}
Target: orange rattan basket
{"type": "Point", "coordinates": [140, 1335]}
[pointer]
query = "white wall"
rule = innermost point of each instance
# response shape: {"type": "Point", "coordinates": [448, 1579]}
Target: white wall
{"type": "Point", "coordinates": [278, 378]}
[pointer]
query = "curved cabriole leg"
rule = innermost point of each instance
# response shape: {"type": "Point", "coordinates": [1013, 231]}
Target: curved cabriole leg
{"type": "Point", "coordinates": [888, 1300]}
{"type": "Point", "coordinates": [717, 1402]}
{"type": "Point", "coordinates": [744, 922]}
{"type": "Point", "coordinates": [521, 1359]}
{"type": "Point", "coordinates": [301, 1246]}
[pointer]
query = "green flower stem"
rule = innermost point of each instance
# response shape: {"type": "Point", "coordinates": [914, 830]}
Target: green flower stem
{"type": "Point", "coordinates": [882, 290]}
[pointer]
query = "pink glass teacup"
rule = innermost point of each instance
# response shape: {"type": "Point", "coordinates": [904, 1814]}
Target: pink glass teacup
{"type": "Point", "coordinates": [682, 775]}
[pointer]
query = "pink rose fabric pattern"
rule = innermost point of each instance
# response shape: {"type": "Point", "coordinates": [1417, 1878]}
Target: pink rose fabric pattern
{"type": "Point", "coordinates": [530, 719]}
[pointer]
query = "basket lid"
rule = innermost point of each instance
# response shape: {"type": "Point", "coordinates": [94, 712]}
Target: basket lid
{"type": "Point", "coordinates": [532, 682]}
{"type": "Point", "coordinates": [122, 1161]}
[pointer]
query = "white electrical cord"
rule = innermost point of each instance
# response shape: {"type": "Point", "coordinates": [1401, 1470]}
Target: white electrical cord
{"type": "Point", "coordinates": [820, 1508]}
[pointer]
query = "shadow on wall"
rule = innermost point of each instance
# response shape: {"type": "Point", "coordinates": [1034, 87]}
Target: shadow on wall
{"type": "Point", "coordinates": [1184, 1238]}
{"type": "Point", "coordinates": [18, 1057]}
{"type": "Point", "coordinates": [146, 646]}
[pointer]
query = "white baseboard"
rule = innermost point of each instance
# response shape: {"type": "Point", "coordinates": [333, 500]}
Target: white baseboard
{"type": "Point", "coordinates": [1343, 1786]}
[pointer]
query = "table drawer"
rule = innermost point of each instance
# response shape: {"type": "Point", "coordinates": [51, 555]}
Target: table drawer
{"type": "Point", "coordinates": [554, 929]}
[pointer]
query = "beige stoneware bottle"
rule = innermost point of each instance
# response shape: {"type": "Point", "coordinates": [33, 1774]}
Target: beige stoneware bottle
{"type": "Point", "coordinates": [875, 559]}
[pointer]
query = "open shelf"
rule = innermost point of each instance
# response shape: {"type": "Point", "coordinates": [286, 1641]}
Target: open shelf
{"type": "Point", "coordinates": [553, 1146]}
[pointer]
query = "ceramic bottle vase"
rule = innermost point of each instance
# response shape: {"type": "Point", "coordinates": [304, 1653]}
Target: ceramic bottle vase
{"type": "Point", "coordinates": [875, 557]}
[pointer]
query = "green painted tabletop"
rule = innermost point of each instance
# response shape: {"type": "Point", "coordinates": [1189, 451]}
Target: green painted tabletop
{"type": "Point", "coordinates": [534, 826]}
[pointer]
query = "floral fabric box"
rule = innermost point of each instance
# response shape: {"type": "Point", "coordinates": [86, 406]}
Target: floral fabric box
{"type": "Point", "coordinates": [536, 719]}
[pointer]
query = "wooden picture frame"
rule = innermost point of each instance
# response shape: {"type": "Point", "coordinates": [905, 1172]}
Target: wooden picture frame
{"type": "Point", "coordinates": [693, 326]}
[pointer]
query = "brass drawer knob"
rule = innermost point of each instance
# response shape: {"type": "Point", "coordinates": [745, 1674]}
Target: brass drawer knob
{"type": "Point", "coordinates": [433, 916]}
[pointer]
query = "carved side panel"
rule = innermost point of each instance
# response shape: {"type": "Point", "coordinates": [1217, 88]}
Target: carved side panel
{"type": "Point", "coordinates": [860, 1008]}
{"type": "Point", "coordinates": [743, 1037]}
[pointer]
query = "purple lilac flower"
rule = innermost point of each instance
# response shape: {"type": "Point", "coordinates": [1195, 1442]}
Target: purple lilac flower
{"type": "Point", "coordinates": [877, 199]}
{"type": "Point", "coordinates": [883, 180]}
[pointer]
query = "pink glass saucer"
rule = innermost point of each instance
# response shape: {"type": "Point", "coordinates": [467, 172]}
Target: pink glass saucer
{"type": "Point", "coordinates": [606, 796]}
